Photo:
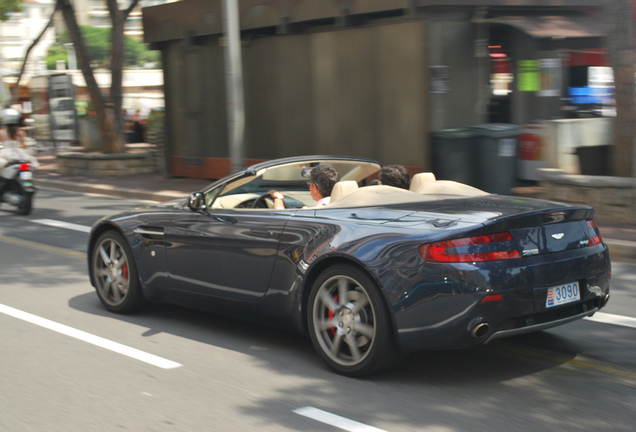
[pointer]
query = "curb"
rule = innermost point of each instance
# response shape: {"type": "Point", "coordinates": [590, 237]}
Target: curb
{"type": "Point", "coordinates": [107, 190]}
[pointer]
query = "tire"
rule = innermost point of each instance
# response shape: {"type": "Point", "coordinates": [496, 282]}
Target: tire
{"type": "Point", "coordinates": [114, 274]}
{"type": "Point", "coordinates": [26, 205]}
{"type": "Point", "coordinates": [354, 334]}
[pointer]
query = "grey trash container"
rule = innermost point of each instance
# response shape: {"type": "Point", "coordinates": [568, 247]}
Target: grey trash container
{"type": "Point", "coordinates": [454, 155]}
{"type": "Point", "coordinates": [496, 160]}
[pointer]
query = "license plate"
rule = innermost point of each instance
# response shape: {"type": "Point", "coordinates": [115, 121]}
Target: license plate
{"type": "Point", "coordinates": [562, 294]}
{"type": "Point", "coordinates": [26, 175]}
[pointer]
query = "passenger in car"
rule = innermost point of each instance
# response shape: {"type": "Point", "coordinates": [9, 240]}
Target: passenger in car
{"type": "Point", "coordinates": [321, 181]}
{"type": "Point", "coordinates": [395, 175]}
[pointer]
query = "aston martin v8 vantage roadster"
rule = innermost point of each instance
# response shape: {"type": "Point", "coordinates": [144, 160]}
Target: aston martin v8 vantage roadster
{"type": "Point", "coordinates": [378, 272]}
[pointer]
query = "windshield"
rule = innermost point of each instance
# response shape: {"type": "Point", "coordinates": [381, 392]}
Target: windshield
{"type": "Point", "coordinates": [289, 179]}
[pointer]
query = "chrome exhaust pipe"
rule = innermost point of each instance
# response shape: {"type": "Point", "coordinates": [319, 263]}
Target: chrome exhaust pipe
{"type": "Point", "coordinates": [605, 300]}
{"type": "Point", "coordinates": [480, 330]}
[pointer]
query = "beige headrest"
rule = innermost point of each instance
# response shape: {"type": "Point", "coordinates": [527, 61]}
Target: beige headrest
{"type": "Point", "coordinates": [343, 188]}
{"type": "Point", "coordinates": [420, 179]}
{"type": "Point", "coordinates": [449, 187]}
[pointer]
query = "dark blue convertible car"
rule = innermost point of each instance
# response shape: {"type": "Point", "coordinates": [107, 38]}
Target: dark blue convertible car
{"type": "Point", "coordinates": [378, 272]}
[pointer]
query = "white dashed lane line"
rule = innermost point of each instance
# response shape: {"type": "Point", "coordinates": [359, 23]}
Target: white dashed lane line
{"type": "Point", "coordinates": [90, 338]}
{"type": "Point", "coordinates": [335, 420]}
{"type": "Point", "coordinates": [606, 318]}
{"type": "Point", "coordinates": [61, 224]}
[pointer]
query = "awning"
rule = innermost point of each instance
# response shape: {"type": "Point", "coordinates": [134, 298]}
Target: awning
{"type": "Point", "coordinates": [553, 26]}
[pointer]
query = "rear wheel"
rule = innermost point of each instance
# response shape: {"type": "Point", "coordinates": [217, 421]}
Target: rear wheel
{"type": "Point", "coordinates": [349, 323]}
{"type": "Point", "coordinates": [114, 274]}
{"type": "Point", "coordinates": [26, 204]}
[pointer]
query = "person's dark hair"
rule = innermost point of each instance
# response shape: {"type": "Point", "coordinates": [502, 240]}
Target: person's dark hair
{"type": "Point", "coordinates": [324, 177]}
{"type": "Point", "coordinates": [395, 175]}
{"type": "Point", "coordinates": [12, 130]}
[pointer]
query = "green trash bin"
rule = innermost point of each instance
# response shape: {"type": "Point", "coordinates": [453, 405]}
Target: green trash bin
{"type": "Point", "coordinates": [496, 159]}
{"type": "Point", "coordinates": [454, 153]}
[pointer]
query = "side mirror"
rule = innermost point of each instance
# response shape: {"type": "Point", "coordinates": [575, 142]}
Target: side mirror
{"type": "Point", "coordinates": [196, 201]}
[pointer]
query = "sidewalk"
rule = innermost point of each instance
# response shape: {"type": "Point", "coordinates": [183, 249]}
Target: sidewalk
{"type": "Point", "coordinates": [620, 238]}
{"type": "Point", "coordinates": [152, 187]}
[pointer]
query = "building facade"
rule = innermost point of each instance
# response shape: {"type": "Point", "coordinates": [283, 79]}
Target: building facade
{"type": "Point", "coordinates": [17, 34]}
{"type": "Point", "coordinates": [359, 77]}
{"type": "Point", "coordinates": [95, 13]}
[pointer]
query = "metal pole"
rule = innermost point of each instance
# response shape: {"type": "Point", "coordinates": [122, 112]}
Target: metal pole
{"type": "Point", "coordinates": [234, 83]}
{"type": "Point", "coordinates": [72, 60]}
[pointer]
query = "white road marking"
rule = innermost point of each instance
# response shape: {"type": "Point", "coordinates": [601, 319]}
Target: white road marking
{"type": "Point", "coordinates": [60, 224]}
{"type": "Point", "coordinates": [335, 420]}
{"type": "Point", "coordinates": [606, 318]}
{"type": "Point", "coordinates": [91, 339]}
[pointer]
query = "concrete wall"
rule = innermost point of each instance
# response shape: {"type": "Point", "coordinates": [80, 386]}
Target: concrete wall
{"type": "Point", "coordinates": [613, 198]}
{"type": "Point", "coordinates": [356, 91]}
{"type": "Point", "coordinates": [466, 102]}
{"type": "Point", "coordinates": [369, 95]}
{"type": "Point", "coordinates": [196, 121]}
{"type": "Point", "coordinates": [564, 136]}
{"type": "Point", "coordinates": [278, 96]}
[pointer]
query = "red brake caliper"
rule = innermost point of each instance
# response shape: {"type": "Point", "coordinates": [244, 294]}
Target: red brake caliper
{"type": "Point", "coordinates": [124, 271]}
{"type": "Point", "coordinates": [331, 315]}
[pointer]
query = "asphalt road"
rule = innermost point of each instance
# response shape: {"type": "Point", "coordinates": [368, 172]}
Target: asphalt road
{"type": "Point", "coordinates": [66, 364]}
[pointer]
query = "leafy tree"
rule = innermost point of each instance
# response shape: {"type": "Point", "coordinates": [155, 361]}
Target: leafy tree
{"type": "Point", "coordinates": [99, 49]}
{"type": "Point", "coordinates": [56, 52]}
{"type": "Point", "coordinates": [9, 6]}
{"type": "Point", "coordinates": [109, 117]}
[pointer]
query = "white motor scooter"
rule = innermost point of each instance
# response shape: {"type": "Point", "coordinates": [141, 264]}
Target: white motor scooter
{"type": "Point", "coordinates": [16, 185]}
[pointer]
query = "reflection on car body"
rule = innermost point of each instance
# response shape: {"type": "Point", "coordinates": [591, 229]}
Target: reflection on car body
{"type": "Point", "coordinates": [378, 272]}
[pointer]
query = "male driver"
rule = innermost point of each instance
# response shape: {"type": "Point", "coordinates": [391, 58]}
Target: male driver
{"type": "Point", "coordinates": [321, 181]}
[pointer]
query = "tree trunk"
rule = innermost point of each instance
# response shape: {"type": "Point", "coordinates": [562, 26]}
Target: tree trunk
{"type": "Point", "coordinates": [620, 44]}
{"type": "Point", "coordinates": [118, 19]}
{"type": "Point", "coordinates": [15, 94]}
{"type": "Point", "coordinates": [113, 142]}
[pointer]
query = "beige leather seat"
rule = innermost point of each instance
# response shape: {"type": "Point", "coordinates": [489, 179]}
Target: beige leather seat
{"type": "Point", "coordinates": [449, 187]}
{"type": "Point", "coordinates": [343, 188]}
{"type": "Point", "coordinates": [421, 179]}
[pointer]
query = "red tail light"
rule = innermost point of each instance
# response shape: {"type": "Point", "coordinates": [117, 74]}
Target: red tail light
{"type": "Point", "coordinates": [491, 247]}
{"type": "Point", "coordinates": [492, 298]}
{"type": "Point", "coordinates": [25, 167]}
{"type": "Point", "coordinates": [595, 236]}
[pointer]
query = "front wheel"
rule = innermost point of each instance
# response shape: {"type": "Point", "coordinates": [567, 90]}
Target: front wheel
{"type": "Point", "coordinates": [114, 274]}
{"type": "Point", "coordinates": [349, 323]}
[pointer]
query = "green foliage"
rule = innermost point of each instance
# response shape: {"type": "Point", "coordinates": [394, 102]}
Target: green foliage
{"type": "Point", "coordinates": [136, 53]}
{"type": "Point", "coordinates": [51, 60]}
{"type": "Point", "coordinates": [98, 45]}
{"type": "Point", "coordinates": [9, 6]}
{"type": "Point", "coordinates": [156, 120]}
